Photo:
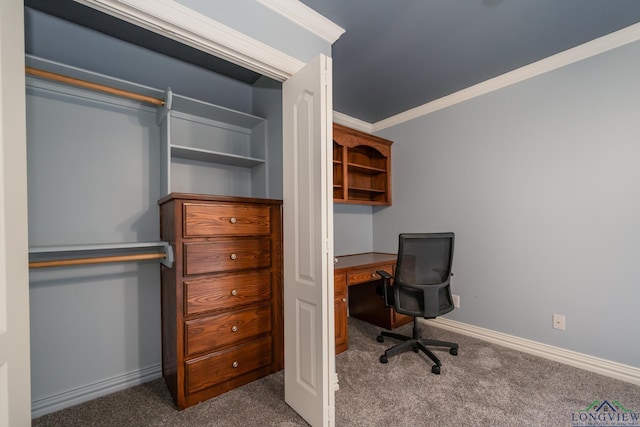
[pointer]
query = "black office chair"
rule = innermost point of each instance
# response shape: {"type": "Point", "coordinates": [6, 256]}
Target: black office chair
{"type": "Point", "coordinates": [421, 288]}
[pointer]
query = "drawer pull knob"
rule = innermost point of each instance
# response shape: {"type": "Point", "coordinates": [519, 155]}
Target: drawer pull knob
{"type": "Point", "coordinates": [234, 364]}
{"type": "Point", "coordinates": [233, 220]}
{"type": "Point", "coordinates": [374, 275]}
{"type": "Point", "coordinates": [234, 292]}
{"type": "Point", "coordinates": [344, 300]}
{"type": "Point", "coordinates": [233, 256]}
{"type": "Point", "coordinates": [234, 328]}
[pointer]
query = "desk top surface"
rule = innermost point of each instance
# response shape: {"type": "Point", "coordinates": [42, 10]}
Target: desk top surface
{"type": "Point", "coordinates": [363, 260]}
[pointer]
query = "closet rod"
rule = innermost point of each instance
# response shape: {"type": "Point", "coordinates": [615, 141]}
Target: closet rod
{"type": "Point", "coordinates": [94, 260]}
{"type": "Point", "coordinates": [93, 86]}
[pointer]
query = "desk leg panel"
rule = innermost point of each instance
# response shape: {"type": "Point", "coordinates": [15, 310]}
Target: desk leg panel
{"type": "Point", "coordinates": [365, 304]}
{"type": "Point", "coordinates": [340, 307]}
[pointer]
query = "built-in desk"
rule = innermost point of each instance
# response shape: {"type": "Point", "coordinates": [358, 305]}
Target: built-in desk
{"type": "Point", "coordinates": [362, 301]}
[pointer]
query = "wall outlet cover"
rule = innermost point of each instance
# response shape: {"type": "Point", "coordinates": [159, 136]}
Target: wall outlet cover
{"type": "Point", "coordinates": [558, 322]}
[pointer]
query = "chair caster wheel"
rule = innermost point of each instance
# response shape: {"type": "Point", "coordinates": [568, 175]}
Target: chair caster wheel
{"type": "Point", "coordinates": [380, 338]}
{"type": "Point", "coordinates": [383, 359]}
{"type": "Point", "coordinates": [435, 369]}
{"type": "Point", "coordinates": [453, 351]}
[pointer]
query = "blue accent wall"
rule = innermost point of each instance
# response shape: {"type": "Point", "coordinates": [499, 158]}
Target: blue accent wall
{"type": "Point", "coordinates": [540, 182]}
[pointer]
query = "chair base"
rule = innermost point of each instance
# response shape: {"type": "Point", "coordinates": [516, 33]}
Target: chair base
{"type": "Point", "coordinates": [416, 344]}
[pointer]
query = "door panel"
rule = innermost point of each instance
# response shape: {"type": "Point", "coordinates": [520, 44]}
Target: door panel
{"type": "Point", "coordinates": [308, 219]}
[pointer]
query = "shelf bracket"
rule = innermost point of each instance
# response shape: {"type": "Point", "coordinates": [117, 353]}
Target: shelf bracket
{"type": "Point", "coordinates": [168, 259]}
{"type": "Point", "coordinates": [164, 109]}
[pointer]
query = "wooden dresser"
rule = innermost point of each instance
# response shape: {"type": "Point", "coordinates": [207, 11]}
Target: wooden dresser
{"type": "Point", "coordinates": [222, 314]}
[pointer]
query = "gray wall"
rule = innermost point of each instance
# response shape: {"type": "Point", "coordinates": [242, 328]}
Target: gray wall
{"type": "Point", "coordinates": [540, 181]}
{"type": "Point", "coordinates": [93, 177]}
{"type": "Point", "coordinates": [352, 229]}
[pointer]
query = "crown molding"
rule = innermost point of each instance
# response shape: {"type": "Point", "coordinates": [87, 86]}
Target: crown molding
{"type": "Point", "coordinates": [307, 18]}
{"type": "Point", "coordinates": [589, 363]}
{"type": "Point", "coordinates": [180, 23]}
{"type": "Point", "coordinates": [595, 47]}
{"type": "Point", "coordinates": [352, 122]}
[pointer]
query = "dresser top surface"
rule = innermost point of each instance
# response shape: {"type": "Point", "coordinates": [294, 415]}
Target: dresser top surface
{"type": "Point", "coordinates": [214, 198]}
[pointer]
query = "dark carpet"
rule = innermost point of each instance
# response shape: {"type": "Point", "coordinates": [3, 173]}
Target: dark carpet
{"type": "Point", "coordinates": [485, 385]}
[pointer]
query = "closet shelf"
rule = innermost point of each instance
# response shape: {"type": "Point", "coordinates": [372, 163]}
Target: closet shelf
{"type": "Point", "coordinates": [92, 86]}
{"type": "Point", "coordinates": [367, 190]}
{"type": "Point", "coordinates": [216, 136]}
{"type": "Point", "coordinates": [54, 256]}
{"type": "Point", "coordinates": [365, 169]}
{"type": "Point", "coordinates": [199, 154]}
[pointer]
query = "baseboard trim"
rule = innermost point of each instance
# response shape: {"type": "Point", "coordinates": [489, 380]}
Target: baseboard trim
{"type": "Point", "coordinates": [597, 365]}
{"type": "Point", "coordinates": [88, 392]}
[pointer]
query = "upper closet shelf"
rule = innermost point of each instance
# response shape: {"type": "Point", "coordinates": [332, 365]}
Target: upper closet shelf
{"type": "Point", "coordinates": [40, 68]}
{"type": "Point", "coordinates": [204, 148]}
{"type": "Point", "coordinates": [198, 108]}
{"type": "Point", "coordinates": [216, 138]}
{"type": "Point", "coordinates": [209, 156]}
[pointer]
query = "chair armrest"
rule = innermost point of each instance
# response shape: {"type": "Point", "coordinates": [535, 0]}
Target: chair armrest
{"type": "Point", "coordinates": [386, 284]}
{"type": "Point", "coordinates": [384, 274]}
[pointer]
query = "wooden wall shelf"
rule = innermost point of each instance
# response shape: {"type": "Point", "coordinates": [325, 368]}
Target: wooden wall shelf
{"type": "Point", "coordinates": [361, 167]}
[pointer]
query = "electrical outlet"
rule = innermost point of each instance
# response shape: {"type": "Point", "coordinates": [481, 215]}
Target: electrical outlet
{"type": "Point", "coordinates": [558, 322]}
{"type": "Point", "coordinates": [456, 300]}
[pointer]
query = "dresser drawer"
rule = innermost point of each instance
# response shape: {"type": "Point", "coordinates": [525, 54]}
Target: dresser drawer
{"type": "Point", "coordinates": [226, 329]}
{"type": "Point", "coordinates": [201, 220]}
{"type": "Point", "coordinates": [226, 291]}
{"type": "Point", "coordinates": [215, 368]}
{"type": "Point", "coordinates": [367, 274]}
{"type": "Point", "coordinates": [226, 255]}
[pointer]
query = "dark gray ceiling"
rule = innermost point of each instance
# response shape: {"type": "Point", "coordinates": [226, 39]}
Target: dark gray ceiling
{"type": "Point", "coordinates": [399, 54]}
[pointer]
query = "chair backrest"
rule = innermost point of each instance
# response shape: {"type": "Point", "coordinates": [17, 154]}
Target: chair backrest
{"type": "Point", "coordinates": [423, 272]}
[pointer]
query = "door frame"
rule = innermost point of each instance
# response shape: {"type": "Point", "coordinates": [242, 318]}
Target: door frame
{"type": "Point", "coordinates": [178, 22]}
{"type": "Point", "coordinates": [175, 21]}
{"type": "Point", "coordinates": [15, 375]}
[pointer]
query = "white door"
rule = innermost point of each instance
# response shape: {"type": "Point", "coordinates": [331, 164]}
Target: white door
{"type": "Point", "coordinates": [309, 336]}
{"type": "Point", "coordinates": [15, 380]}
